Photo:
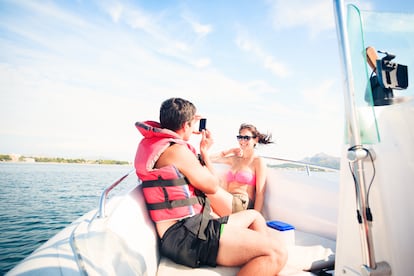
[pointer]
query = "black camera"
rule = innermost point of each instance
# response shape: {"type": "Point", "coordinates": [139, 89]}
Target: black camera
{"type": "Point", "coordinates": [389, 76]}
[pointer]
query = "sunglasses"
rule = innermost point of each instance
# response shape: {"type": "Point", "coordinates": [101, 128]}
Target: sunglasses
{"type": "Point", "coordinates": [245, 137]}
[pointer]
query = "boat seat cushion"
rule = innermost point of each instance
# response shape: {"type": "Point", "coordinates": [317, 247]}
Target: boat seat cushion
{"type": "Point", "coordinates": [168, 268]}
{"type": "Point", "coordinates": [310, 253]}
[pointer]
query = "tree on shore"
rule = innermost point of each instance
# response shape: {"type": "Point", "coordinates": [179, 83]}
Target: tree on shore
{"type": "Point", "coordinates": [7, 157]}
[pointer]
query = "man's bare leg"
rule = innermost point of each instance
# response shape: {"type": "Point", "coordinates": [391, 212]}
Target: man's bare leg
{"type": "Point", "coordinates": [245, 242]}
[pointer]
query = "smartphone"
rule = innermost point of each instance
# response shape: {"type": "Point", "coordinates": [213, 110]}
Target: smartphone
{"type": "Point", "coordinates": [203, 123]}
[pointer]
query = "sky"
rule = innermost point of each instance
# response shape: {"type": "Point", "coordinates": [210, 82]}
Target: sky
{"type": "Point", "coordinates": [75, 76]}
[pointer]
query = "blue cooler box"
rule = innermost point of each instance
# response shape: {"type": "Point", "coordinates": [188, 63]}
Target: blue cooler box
{"type": "Point", "coordinates": [282, 231]}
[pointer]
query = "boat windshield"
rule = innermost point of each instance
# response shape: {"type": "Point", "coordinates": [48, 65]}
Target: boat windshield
{"type": "Point", "coordinates": [388, 32]}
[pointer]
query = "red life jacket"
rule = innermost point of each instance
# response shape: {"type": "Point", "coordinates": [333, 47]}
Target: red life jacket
{"type": "Point", "coordinates": [167, 192]}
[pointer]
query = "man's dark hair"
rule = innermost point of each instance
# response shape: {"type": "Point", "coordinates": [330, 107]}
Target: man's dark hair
{"type": "Point", "coordinates": [174, 112]}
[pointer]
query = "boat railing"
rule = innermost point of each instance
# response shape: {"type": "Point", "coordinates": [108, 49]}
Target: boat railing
{"type": "Point", "coordinates": [105, 193]}
{"type": "Point", "coordinates": [307, 166]}
{"type": "Point", "coordinates": [102, 200]}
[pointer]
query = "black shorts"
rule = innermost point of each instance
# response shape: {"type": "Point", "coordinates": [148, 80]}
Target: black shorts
{"type": "Point", "coordinates": [183, 246]}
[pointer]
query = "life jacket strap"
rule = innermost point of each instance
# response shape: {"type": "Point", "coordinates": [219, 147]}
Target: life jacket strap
{"type": "Point", "coordinates": [173, 203]}
{"type": "Point", "coordinates": [164, 182]}
{"type": "Point", "coordinates": [170, 204]}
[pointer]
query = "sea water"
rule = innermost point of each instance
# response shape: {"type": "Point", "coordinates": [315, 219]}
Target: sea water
{"type": "Point", "coordinates": [39, 199]}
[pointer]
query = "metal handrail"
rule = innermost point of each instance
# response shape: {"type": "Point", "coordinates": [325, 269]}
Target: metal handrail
{"type": "Point", "coordinates": [306, 165]}
{"type": "Point", "coordinates": [104, 195]}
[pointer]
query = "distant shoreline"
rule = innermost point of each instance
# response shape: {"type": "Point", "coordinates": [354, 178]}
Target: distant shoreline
{"type": "Point", "coordinates": [61, 163]}
{"type": "Point", "coordinates": [17, 158]}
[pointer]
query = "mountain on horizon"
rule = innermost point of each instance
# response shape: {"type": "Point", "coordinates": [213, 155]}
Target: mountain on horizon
{"type": "Point", "coordinates": [323, 159]}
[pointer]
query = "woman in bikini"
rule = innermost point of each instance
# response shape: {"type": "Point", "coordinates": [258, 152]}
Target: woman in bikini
{"type": "Point", "coordinates": [246, 178]}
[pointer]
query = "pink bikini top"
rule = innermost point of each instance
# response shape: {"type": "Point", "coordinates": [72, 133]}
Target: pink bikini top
{"type": "Point", "coordinates": [242, 177]}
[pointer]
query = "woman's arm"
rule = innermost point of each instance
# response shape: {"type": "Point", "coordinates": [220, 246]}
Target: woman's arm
{"type": "Point", "coordinates": [224, 156]}
{"type": "Point", "coordinates": [261, 173]}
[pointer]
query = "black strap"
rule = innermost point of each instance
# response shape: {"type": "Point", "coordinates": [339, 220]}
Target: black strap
{"type": "Point", "coordinates": [173, 203]}
{"type": "Point", "coordinates": [205, 219]}
{"type": "Point", "coordinates": [169, 204]}
{"type": "Point", "coordinates": [201, 160]}
{"type": "Point", "coordinates": [198, 224]}
{"type": "Point", "coordinates": [165, 182]}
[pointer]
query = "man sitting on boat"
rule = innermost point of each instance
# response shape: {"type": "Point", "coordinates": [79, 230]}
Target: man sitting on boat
{"type": "Point", "coordinates": [175, 185]}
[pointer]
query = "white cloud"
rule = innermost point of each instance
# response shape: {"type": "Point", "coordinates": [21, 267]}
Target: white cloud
{"type": "Point", "coordinates": [177, 40]}
{"type": "Point", "coordinates": [261, 87]}
{"type": "Point", "coordinates": [200, 29]}
{"type": "Point", "coordinates": [50, 10]}
{"type": "Point", "coordinates": [277, 68]}
{"type": "Point", "coordinates": [115, 11]}
{"type": "Point", "coordinates": [382, 21]}
{"type": "Point", "coordinates": [136, 18]}
{"type": "Point", "coordinates": [202, 62]}
{"type": "Point", "coordinates": [315, 15]}
{"type": "Point", "coordinates": [245, 43]}
{"type": "Point", "coordinates": [321, 96]}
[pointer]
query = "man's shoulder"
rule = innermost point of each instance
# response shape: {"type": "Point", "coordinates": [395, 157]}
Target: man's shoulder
{"type": "Point", "coordinates": [179, 149]}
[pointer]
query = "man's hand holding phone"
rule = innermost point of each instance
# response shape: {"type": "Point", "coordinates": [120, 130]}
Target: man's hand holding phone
{"type": "Point", "coordinates": [206, 139]}
{"type": "Point", "coordinates": [202, 125]}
